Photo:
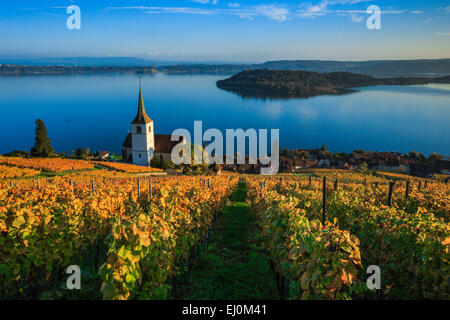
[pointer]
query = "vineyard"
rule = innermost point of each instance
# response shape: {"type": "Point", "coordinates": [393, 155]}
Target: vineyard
{"type": "Point", "coordinates": [124, 167]}
{"type": "Point", "coordinates": [46, 164]}
{"type": "Point", "coordinates": [133, 233]}
{"type": "Point", "coordinates": [309, 236]}
{"type": "Point", "coordinates": [322, 237]}
{"type": "Point", "coordinates": [14, 172]}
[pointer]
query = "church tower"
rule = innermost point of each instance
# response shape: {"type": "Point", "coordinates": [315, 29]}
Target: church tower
{"type": "Point", "coordinates": [142, 135]}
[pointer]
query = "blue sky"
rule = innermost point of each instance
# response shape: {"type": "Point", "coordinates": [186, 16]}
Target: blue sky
{"type": "Point", "coordinates": [219, 30]}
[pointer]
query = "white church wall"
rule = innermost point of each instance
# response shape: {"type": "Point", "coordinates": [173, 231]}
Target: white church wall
{"type": "Point", "coordinates": [140, 158]}
{"type": "Point", "coordinates": [143, 143]}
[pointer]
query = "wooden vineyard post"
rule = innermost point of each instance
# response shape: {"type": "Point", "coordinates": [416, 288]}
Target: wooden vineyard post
{"type": "Point", "coordinates": [407, 190]}
{"type": "Point", "coordinates": [324, 199]}
{"type": "Point", "coordinates": [139, 187]}
{"type": "Point", "coordinates": [310, 180]}
{"type": "Point", "coordinates": [11, 184]}
{"type": "Point", "coordinates": [97, 251]}
{"type": "Point", "coordinates": [420, 185]}
{"type": "Point", "coordinates": [92, 186]}
{"type": "Point", "coordinates": [38, 185]}
{"type": "Point", "coordinates": [336, 185]}
{"type": "Point", "coordinates": [209, 184]}
{"type": "Point", "coordinates": [150, 191]}
{"type": "Point", "coordinates": [70, 182]}
{"type": "Point", "coordinates": [391, 188]}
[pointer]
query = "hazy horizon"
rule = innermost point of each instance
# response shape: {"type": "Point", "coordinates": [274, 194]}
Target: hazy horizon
{"type": "Point", "coordinates": [179, 61]}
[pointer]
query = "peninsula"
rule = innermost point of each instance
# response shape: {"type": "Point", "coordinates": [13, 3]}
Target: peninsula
{"type": "Point", "coordinates": [303, 84]}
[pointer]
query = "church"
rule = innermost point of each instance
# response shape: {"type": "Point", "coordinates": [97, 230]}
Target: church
{"type": "Point", "coordinates": [142, 144]}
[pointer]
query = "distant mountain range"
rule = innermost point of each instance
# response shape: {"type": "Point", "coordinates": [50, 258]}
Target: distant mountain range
{"type": "Point", "coordinates": [375, 68]}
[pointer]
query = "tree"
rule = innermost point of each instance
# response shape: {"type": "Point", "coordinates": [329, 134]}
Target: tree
{"type": "Point", "coordinates": [363, 168]}
{"type": "Point", "coordinates": [155, 162]}
{"type": "Point", "coordinates": [84, 154]}
{"type": "Point", "coordinates": [197, 170]}
{"type": "Point", "coordinates": [304, 154]}
{"type": "Point", "coordinates": [164, 164]}
{"type": "Point", "coordinates": [435, 156]}
{"type": "Point", "coordinates": [187, 170]}
{"type": "Point", "coordinates": [214, 167]}
{"type": "Point", "coordinates": [413, 154]}
{"type": "Point", "coordinates": [170, 163]}
{"type": "Point", "coordinates": [87, 154]}
{"type": "Point", "coordinates": [42, 147]}
{"type": "Point", "coordinates": [79, 153]}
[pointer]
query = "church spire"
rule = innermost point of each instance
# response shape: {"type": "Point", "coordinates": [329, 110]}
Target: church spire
{"type": "Point", "coordinates": [141, 117]}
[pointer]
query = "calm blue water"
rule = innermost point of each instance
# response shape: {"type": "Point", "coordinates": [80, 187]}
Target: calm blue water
{"type": "Point", "coordinates": [96, 111]}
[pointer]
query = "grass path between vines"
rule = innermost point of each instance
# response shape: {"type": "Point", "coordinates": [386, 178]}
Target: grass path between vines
{"type": "Point", "coordinates": [233, 265]}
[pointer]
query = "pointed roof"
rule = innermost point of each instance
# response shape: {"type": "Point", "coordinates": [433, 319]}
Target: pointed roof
{"type": "Point", "coordinates": [128, 143]}
{"type": "Point", "coordinates": [141, 117]}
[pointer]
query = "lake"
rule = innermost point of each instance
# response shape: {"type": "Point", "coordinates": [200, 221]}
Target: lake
{"type": "Point", "coordinates": [96, 112]}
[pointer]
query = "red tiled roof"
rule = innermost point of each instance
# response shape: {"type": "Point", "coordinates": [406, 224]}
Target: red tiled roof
{"type": "Point", "coordinates": [164, 144]}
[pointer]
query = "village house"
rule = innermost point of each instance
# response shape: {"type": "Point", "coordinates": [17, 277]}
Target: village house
{"type": "Point", "coordinates": [102, 155]}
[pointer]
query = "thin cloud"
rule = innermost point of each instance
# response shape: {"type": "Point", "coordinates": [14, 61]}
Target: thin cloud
{"type": "Point", "coordinates": [205, 1]}
{"type": "Point", "coordinates": [443, 34]}
{"type": "Point", "coordinates": [322, 8]}
{"type": "Point", "coordinates": [273, 12]}
{"type": "Point", "coordinates": [270, 11]}
{"type": "Point", "coordinates": [157, 10]}
{"type": "Point", "coordinates": [310, 10]}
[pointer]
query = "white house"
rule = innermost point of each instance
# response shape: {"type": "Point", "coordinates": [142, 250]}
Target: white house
{"type": "Point", "coordinates": [142, 144]}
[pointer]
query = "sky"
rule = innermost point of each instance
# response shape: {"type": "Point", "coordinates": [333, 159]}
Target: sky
{"type": "Point", "coordinates": [219, 30]}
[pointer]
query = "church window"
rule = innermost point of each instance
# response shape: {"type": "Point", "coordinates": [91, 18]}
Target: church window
{"type": "Point", "coordinates": [140, 155]}
{"type": "Point", "coordinates": [149, 128]}
{"type": "Point", "coordinates": [138, 129]}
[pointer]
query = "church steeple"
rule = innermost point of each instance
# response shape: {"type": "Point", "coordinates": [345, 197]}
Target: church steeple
{"type": "Point", "coordinates": [141, 117]}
